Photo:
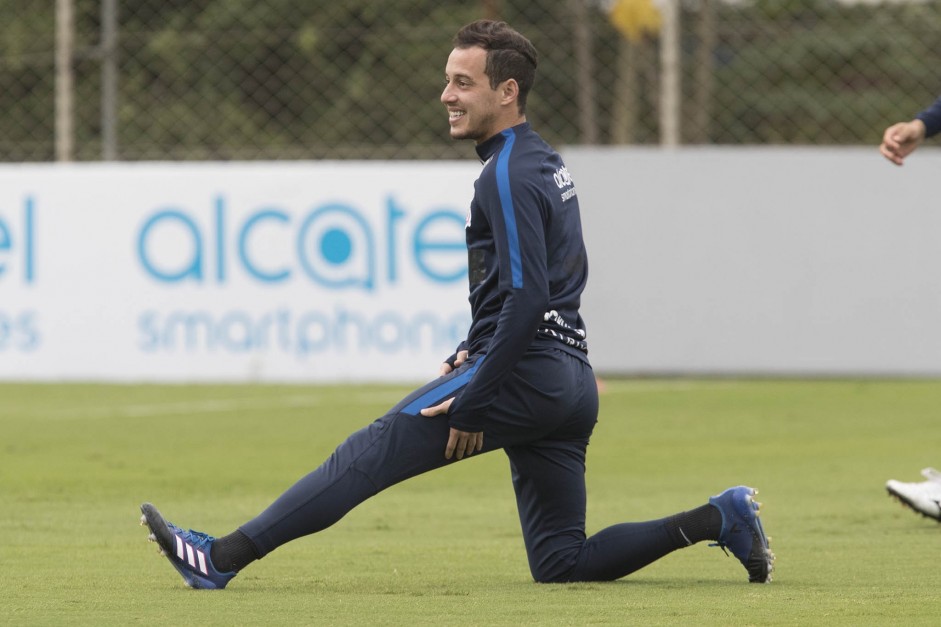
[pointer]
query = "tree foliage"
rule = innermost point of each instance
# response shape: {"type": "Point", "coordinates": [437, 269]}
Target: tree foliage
{"type": "Point", "coordinates": [264, 79]}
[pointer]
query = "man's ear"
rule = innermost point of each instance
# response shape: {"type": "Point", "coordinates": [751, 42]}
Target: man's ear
{"type": "Point", "coordinates": [509, 91]}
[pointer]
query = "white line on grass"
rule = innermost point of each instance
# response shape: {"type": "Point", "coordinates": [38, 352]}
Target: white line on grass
{"type": "Point", "coordinates": [204, 406]}
{"type": "Point", "coordinates": [175, 408]}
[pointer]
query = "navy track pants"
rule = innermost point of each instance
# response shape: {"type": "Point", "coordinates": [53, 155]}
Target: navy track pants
{"type": "Point", "coordinates": [542, 419]}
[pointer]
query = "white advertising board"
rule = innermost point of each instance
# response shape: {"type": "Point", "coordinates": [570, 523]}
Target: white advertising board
{"type": "Point", "coordinates": [761, 261]}
{"type": "Point", "coordinates": [232, 272]}
{"type": "Point", "coordinates": [793, 261]}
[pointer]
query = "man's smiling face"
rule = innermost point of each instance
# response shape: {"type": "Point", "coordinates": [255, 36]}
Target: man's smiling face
{"type": "Point", "coordinates": [474, 108]}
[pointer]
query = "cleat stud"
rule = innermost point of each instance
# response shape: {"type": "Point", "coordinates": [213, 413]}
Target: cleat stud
{"type": "Point", "coordinates": [152, 538]}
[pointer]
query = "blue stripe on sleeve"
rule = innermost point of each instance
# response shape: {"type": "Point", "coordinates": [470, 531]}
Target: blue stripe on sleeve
{"type": "Point", "coordinates": [506, 203]}
{"type": "Point", "coordinates": [442, 391]}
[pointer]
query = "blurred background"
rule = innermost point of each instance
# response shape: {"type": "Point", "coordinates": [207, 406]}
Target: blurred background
{"type": "Point", "coordinates": [266, 190]}
{"type": "Point", "coordinates": [90, 80]}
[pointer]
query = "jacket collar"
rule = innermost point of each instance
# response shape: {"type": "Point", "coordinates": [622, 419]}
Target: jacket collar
{"type": "Point", "coordinates": [487, 148]}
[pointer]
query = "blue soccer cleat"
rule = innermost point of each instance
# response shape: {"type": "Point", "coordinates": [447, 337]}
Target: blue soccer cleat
{"type": "Point", "coordinates": [188, 551]}
{"type": "Point", "coordinates": [742, 532]}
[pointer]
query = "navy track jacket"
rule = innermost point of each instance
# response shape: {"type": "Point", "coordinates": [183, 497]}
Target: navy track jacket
{"type": "Point", "coordinates": [932, 118]}
{"type": "Point", "coordinates": [527, 266]}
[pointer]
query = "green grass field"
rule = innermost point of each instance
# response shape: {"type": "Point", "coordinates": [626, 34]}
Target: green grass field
{"type": "Point", "coordinates": [445, 548]}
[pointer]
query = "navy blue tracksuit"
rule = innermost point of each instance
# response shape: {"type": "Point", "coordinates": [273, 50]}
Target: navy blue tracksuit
{"type": "Point", "coordinates": [527, 383]}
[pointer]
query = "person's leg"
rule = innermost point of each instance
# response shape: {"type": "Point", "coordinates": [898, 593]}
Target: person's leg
{"type": "Point", "coordinates": [537, 399]}
{"type": "Point", "coordinates": [624, 548]}
{"type": "Point", "coordinates": [401, 444]}
{"type": "Point", "coordinates": [549, 480]}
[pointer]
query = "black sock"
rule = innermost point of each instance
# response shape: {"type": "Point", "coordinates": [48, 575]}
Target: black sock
{"type": "Point", "coordinates": [232, 552]}
{"type": "Point", "coordinates": [696, 525]}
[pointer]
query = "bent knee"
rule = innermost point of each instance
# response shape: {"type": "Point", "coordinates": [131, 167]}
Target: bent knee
{"type": "Point", "coordinates": [555, 568]}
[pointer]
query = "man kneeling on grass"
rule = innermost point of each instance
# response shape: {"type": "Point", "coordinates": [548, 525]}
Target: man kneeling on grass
{"type": "Point", "coordinates": [521, 378]}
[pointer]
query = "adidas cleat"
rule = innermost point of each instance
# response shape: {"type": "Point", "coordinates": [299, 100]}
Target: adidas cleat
{"type": "Point", "coordinates": [188, 551]}
{"type": "Point", "coordinates": [923, 497]}
{"type": "Point", "coordinates": [742, 532]}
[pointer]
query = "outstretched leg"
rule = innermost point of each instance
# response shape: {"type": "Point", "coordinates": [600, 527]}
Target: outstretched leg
{"type": "Point", "coordinates": [401, 444]}
{"type": "Point", "coordinates": [391, 449]}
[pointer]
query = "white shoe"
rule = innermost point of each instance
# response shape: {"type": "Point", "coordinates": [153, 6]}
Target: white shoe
{"type": "Point", "coordinates": [931, 474]}
{"type": "Point", "coordinates": [923, 497]}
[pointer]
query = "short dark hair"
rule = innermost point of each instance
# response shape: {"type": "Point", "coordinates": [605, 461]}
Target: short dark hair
{"type": "Point", "coordinates": [509, 54]}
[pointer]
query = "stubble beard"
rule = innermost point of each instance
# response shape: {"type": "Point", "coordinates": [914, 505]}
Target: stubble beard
{"type": "Point", "coordinates": [477, 132]}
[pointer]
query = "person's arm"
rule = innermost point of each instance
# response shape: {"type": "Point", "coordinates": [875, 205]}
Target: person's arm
{"type": "Point", "coordinates": [931, 118]}
{"type": "Point", "coordinates": [517, 221]}
{"type": "Point", "coordinates": [455, 360]}
{"type": "Point", "coordinates": [902, 138]}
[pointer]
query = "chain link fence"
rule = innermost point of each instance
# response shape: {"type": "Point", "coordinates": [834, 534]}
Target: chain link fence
{"type": "Point", "coordinates": [92, 80]}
